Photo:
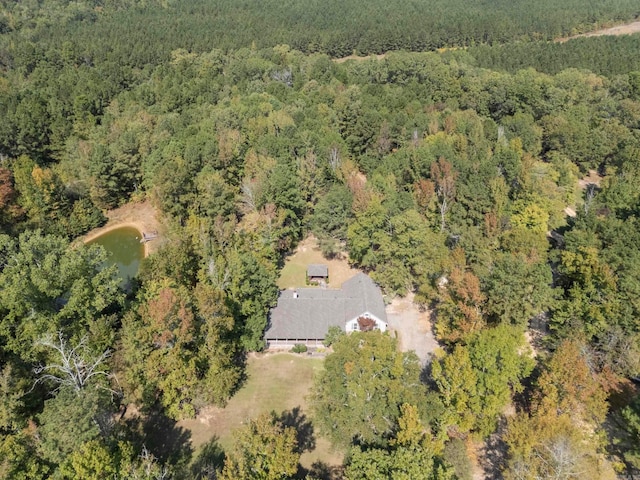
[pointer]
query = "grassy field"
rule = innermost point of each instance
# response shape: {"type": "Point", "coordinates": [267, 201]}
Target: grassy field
{"type": "Point", "coordinates": [293, 274]}
{"type": "Point", "coordinates": [278, 382]}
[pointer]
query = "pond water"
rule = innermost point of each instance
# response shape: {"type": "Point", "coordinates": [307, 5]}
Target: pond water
{"type": "Point", "coordinates": [124, 249]}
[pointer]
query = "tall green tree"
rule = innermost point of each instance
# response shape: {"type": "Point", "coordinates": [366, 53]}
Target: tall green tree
{"type": "Point", "coordinates": [476, 381]}
{"type": "Point", "coordinates": [71, 418]}
{"type": "Point", "coordinates": [253, 291]}
{"type": "Point", "coordinates": [358, 396]}
{"type": "Point", "coordinates": [181, 348]}
{"type": "Point", "coordinates": [263, 450]}
{"type": "Point", "coordinates": [20, 459]}
{"type": "Point", "coordinates": [48, 287]}
{"type": "Point", "coordinates": [631, 417]}
{"type": "Point", "coordinates": [411, 454]}
{"type": "Point", "coordinates": [518, 288]}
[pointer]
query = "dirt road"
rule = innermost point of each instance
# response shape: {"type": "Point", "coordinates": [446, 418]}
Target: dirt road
{"type": "Point", "coordinates": [626, 29]}
{"type": "Point", "coordinates": [412, 326]}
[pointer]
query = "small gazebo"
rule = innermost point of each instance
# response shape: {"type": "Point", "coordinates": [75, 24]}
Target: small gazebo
{"type": "Point", "coordinates": [317, 273]}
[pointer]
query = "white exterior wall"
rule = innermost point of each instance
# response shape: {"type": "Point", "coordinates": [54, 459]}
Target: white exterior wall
{"type": "Point", "coordinates": [352, 325]}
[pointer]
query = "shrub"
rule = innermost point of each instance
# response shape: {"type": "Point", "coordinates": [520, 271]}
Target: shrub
{"type": "Point", "coordinates": [299, 348]}
{"type": "Point", "coordinates": [332, 335]}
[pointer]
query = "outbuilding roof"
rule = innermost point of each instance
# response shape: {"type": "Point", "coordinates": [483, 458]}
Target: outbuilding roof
{"type": "Point", "coordinates": [317, 270]}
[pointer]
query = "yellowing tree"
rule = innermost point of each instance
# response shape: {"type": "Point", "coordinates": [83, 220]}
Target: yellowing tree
{"type": "Point", "coordinates": [264, 450]}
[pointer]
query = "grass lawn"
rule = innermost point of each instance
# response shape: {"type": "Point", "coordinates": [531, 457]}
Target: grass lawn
{"type": "Point", "coordinates": [278, 382]}
{"type": "Point", "coordinates": [293, 274]}
{"type": "Point", "coordinates": [275, 382]}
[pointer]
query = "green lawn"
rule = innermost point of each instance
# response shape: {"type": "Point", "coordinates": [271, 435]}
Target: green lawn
{"type": "Point", "coordinates": [294, 272]}
{"type": "Point", "coordinates": [278, 382]}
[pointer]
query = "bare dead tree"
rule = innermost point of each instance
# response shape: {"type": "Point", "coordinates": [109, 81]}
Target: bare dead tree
{"type": "Point", "coordinates": [562, 460]}
{"type": "Point", "coordinates": [219, 275]}
{"type": "Point", "coordinates": [249, 195]}
{"type": "Point", "coordinates": [502, 139]}
{"type": "Point", "coordinates": [75, 368]}
{"type": "Point", "coordinates": [146, 468]}
{"type": "Point", "coordinates": [589, 194]}
{"type": "Point", "coordinates": [415, 140]}
{"type": "Point", "coordinates": [283, 76]}
{"type": "Point", "coordinates": [151, 467]}
{"type": "Point", "coordinates": [334, 158]}
{"type": "Point", "coordinates": [444, 177]}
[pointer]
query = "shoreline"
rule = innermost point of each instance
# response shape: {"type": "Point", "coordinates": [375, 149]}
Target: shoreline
{"type": "Point", "coordinates": [141, 216]}
{"type": "Point", "coordinates": [98, 232]}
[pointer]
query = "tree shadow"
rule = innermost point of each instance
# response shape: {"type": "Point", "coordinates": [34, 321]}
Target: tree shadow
{"type": "Point", "coordinates": [209, 460]}
{"type": "Point", "coordinates": [304, 428]}
{"type": "Point", "coordinates": [493, 457]}
{"type": "Point", "coordinates": [161, 435]}
{"type": "Point", "coordinates": [321, 471]}
{"type": "Point", "coordinates": [425, 375]}
{"type": "Point", "coordinates": [240, 361]}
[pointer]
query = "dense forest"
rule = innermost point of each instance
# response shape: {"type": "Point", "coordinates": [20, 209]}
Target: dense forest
{"type": "Point", "coordinates": [148, 30]}
{"type": "Point", "coordinates": [452, 175]}
{"type": "Point", "coordinates": [607, 55]}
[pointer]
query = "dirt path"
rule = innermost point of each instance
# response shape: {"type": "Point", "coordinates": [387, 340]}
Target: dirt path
{"type": "Point", "coordinates": [625, 29]}
{"type": "Point", "coordinates": [357, 57]}
{"type": "Point", "coordinates": [593, 178]}
{"type": "Point", "coordinates": [141, 216]}
{"type": "Point", "coordinates": [412, 326]}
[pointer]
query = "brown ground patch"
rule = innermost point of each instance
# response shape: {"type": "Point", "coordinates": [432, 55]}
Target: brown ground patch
{"type": "Point", "coordinates": [293, 274]}
{"type": "Point", "coordinates": [359, 58]}
{"type": "Point", "coordinates": [412, 326]}
{"type": "Point", "coordinates": [141, 216]}
{"type": "Point", "coordinates": [592, 178]}
{"type": "Point", "coordinates": [624, 29]}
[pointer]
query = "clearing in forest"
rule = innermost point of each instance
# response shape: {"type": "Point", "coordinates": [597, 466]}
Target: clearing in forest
{"type": "Point", "coordinates": [293, 274]}
{"type": "Point", "coordinates": [141, 216]}
{"type": "Point", "coordinates": [411, 324]}
{"type": "Point", "coordinates": [629, 28]}
{"type": "Point", "coordinates": [275, 382]}
{"type": "Point", "coordinates": [625, 29]}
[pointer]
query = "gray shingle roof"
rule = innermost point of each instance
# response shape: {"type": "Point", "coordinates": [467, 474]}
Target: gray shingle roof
{"type": "Point", "coordinates": [362, 288]}
{"type": "Point", "coordinates": [317, 270]}
{"type": "Point", "coordinates": [316, 309]}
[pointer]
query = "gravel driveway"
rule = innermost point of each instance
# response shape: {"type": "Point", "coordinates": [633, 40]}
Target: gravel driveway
{"type": "Point", "coordinates": [412, 326]}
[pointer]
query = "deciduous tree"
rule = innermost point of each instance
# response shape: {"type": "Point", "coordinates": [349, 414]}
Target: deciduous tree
{"type": "Point", "coordinates": [264, 450]}
{"type": "Point", "coordinates": [366, 380]}
{"type": "Point", "coordinates": [411, 455]}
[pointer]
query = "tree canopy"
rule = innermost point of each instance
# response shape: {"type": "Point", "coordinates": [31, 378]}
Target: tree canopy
{"type": "Point", "coordinates": [496, 182]}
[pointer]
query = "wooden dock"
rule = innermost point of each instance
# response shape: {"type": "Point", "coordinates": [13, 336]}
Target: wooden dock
{"type": "Point", "coordinates": [148, 236]}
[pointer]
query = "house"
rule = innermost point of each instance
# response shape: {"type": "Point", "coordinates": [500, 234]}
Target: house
{"type": "Point", "coordinates": [317, 273]}
{"type": "Point", "coordinates": [305, 315]}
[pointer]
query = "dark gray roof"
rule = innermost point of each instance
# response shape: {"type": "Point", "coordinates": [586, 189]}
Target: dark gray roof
{"type": "Point", "coordinates": [362, 288]}
{"type": "Point", "coordinates": [317, 270]}
{"type": "Point", "coordinates": [310, 315]}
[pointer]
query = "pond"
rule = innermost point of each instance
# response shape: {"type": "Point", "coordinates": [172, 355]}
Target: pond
{"type": "Point", "coordinates": [124, 249]}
